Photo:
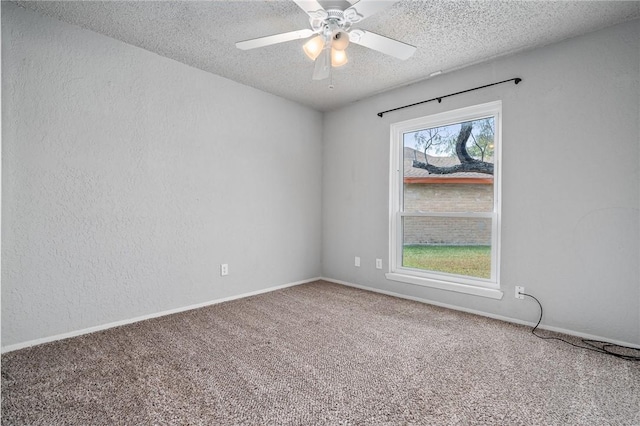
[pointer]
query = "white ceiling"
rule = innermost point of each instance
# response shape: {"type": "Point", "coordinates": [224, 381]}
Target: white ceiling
{"type": "Point", "coordinates": [449, 35]}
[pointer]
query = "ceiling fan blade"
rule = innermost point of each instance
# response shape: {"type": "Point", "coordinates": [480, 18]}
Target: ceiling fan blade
{"type": "Point", "coordinates": [323, 65]}
{"type": "Point", "coordinates": [365, 8]}
{"type": "Point", "coordinates": [310, 7]}
{"type": "Point", "coordinates": [382, 44]}
{"type": "Point", "coordinates": [274, 39]}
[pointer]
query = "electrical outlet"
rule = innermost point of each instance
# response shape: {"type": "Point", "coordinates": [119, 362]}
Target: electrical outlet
{"type": "Point", "coordinates": [357, 261]}
{"type": "Point", "coordinates": [519, 292]}
{"type": "Point", "coordinates": [378, 263]}
{"type": "Point", "coordinates": [224, 269]}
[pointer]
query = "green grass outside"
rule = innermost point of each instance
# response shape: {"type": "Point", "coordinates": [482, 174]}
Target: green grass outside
{"type": "Point", "coordinates": [474, 261]}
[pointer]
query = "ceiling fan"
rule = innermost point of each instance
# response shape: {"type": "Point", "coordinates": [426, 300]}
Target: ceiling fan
{"type": "Point", "coordinates": [333, 33]}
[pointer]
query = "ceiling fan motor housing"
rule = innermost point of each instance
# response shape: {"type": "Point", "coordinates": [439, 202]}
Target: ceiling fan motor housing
{"type": "Point", "coordinates": [333, 26]}
{"type": "Point", "coordinates": [332, 18]}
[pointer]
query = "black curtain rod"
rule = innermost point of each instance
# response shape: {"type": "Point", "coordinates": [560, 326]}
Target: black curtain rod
{"type": "Point", "coordinates": [440, 98]}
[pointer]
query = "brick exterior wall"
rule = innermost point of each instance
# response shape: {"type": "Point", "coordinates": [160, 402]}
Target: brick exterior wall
{"type": "Point", "coordinates": [442, 197]}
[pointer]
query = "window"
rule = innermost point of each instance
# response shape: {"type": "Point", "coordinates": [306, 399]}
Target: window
{"type": "Point", "coordinates": [445, 200]}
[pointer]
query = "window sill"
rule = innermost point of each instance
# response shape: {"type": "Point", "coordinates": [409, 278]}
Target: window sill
{"type": "Point", "coordinates": [444, 285]}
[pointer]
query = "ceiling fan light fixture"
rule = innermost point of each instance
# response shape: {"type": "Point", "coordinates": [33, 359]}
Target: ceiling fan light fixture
{"type": "Point", "coordinates": [338, 57]}
{"type": "Point", "coordinates": [314, 47]}
{"type": "Point", "coordinates": [340, 40]}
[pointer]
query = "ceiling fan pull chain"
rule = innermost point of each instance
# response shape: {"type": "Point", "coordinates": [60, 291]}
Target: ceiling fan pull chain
{"type": "Point", "coordinates": [331, 86]}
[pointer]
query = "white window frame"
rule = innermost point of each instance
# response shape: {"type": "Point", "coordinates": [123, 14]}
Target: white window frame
{"type": "Point", "coordinates": [458, 283]}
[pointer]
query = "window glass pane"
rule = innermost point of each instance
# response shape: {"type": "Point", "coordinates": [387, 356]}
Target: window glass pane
{"type": "Point", "coordinates": [453, 245]}
{"type": "Point", "coordinates": [449, 168]}
{"type": "Point", "coordinates": [443, 197]}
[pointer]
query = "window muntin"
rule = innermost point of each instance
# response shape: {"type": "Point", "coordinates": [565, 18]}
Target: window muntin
{"type": "Point", "coordinates": [445, 226]}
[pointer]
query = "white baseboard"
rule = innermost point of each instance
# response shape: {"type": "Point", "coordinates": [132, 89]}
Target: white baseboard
{"type": "Point", "coordinates": [75, 333]}
{"type": "Point", "coordinates": [81, 332]}
{"type": "Point", "coordinates": [486, 314]}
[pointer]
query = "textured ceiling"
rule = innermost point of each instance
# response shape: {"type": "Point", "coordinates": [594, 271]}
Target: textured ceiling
{"type": "Point", "coordinates": [449, 35]}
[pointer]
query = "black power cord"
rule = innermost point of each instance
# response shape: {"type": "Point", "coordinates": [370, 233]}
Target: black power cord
{"type": "Point", "coordinates": [592, 345]}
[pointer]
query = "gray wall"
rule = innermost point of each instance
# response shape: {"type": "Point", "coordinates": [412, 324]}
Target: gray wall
{"type": "Point", "coordinates": [128, 178]}
{"type": "Point", "coordinates": [570, 197]}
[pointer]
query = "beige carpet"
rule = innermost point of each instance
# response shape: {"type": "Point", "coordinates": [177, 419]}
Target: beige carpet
{"type": "Point", "coordinates": [318, 353]}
